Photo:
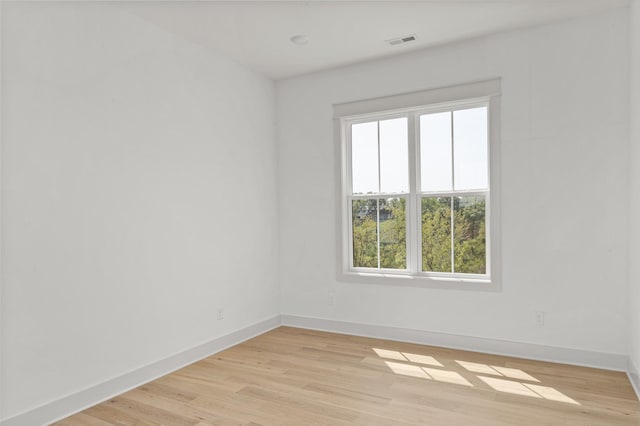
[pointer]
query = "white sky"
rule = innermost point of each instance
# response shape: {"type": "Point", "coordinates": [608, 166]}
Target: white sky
{"type": "Point", "coordinates": [469, 152]}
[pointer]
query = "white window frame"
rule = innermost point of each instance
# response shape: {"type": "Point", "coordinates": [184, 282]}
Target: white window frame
{"type": "Point", "coordinates": [412, 105]}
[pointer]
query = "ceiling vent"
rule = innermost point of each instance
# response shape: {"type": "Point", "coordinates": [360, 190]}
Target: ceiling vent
{"type": "Point", "coordinates": [402, 40]}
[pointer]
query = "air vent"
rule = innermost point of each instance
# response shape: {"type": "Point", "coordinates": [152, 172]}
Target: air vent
{"type": "Point", "coordinates": [401, 40]}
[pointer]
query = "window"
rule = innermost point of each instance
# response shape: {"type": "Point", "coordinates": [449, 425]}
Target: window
{"type": "Point", "coordinates": [419, 188]}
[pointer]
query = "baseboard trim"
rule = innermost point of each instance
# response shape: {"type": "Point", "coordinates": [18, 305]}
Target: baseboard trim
{"type": "Point", "coordinates": [532, 351]}
{"type": "Point", "coordinates": [71, 404]}
{"type": "Point", "coordinates": [634, 376]}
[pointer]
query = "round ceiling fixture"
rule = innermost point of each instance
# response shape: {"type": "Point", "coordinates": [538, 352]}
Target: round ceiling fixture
{"type": "Point", "coordinates": [299, 39]}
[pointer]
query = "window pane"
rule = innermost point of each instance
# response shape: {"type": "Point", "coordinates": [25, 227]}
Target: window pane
{"type": "Point", "coordinates": [435, 152]}
{"type": "Point", "coordinates": [364, 157]}
{"type": "Point", "coordinates": [393, 233]}
{"type": "Point", "coordinates": [469, 235]}
{"type": "Point", "coordinates": [436, 234]}
{"type": "Point", "coordinates": [394, 156]}
{"type": "Point", "coordinates": [470, 148]}
{"type": "Point", "coordinates": [365, 233]}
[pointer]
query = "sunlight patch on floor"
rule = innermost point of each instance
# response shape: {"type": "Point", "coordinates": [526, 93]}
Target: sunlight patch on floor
{"type": "Point", "coordinates": [422, 359]}
{"type": "Point", "coordinates": [447, 376]}
{"type": "Point", "coordinates": [508, 382]}
{"type": "Point", "coordinates": [407, 370]}
{"type": "Point", "coordinates": [384, 353]}
{"type": "Point", "coordinates": [536, 391]}
{"type": "Point", "coordinates": [551, 394]}
{"type": "Point", "coordinates": [508, 386]}
{"type": "Point", "coordinates": [514, 373]}
{"type": "Point", "coordinates": [474, 367]}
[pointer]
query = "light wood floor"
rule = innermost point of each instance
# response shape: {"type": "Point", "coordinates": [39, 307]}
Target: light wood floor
{"type": "Point", "coordinates": [299, 377]}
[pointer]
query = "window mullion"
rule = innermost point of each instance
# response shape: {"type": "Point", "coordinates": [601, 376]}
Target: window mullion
{"type": "Point", "coordinates": [413, 233]}
{"type": "Point", "coordinates": [378, 199]}
{"type": "Point", "coordinates": [378, 229]}
{"type": "Point", "coordinates": [453, 259]}
{"type": "Point", "coordinates": [453, 189]}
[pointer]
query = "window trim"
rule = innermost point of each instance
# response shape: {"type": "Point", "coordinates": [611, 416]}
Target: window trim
{"type": "Point", "coordinates": [450, 98]}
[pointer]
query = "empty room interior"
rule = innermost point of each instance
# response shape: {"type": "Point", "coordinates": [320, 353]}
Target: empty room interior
{"type": "Point", "coordinates": [320, 212]}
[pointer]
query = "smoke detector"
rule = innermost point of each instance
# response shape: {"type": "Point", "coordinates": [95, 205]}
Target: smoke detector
{"type": "Point", "coordinates": [401, 40]}
{"type": "Point", "coordinates": [299, 39]}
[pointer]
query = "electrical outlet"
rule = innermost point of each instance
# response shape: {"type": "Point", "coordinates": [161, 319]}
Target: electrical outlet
{"type": "Point", "coordinates": [220, 313]}
{"type": "Point", "coordinates": [539, 318]}
{"type": "Point", "coordinates": [332, 299]}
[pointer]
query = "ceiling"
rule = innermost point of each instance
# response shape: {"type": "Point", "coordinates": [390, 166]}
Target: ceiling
{"type": "Point", "coordinates": [257, 33]}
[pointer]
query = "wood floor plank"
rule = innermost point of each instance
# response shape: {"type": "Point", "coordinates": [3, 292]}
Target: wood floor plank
{"type": "Point", "coordinates": [292, 376]}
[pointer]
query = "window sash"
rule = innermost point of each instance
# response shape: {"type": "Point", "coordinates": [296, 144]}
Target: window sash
{"type": "Point", "coordinates": [350, 198]}
{"type": "Point", "coordinates": [487, 224]}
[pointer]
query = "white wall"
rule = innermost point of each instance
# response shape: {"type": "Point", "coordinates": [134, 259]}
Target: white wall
{"type": "Point", "coordinates": [139, 183]}
{"type": "Point", "coordinates": [634, 253]}
{"type": "Point", "coordinates": [564, 187]}
{"type": "Point", "coordinates": [138, 196]}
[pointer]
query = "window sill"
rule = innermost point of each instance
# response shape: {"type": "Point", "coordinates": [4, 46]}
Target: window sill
{"type": "Point", "coordinates": [412, 280]}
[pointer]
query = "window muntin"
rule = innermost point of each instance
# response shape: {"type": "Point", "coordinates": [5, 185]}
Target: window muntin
{"type": "Point", "coordinates": [445, 151]}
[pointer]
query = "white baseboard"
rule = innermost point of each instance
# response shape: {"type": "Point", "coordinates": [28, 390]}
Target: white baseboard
{"type": "Point", "coordinates": [606, 361]}
{"type": "Point", "coordinates": [634, 376]}
{"type": "Point", "coordinates": [68, 405]}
